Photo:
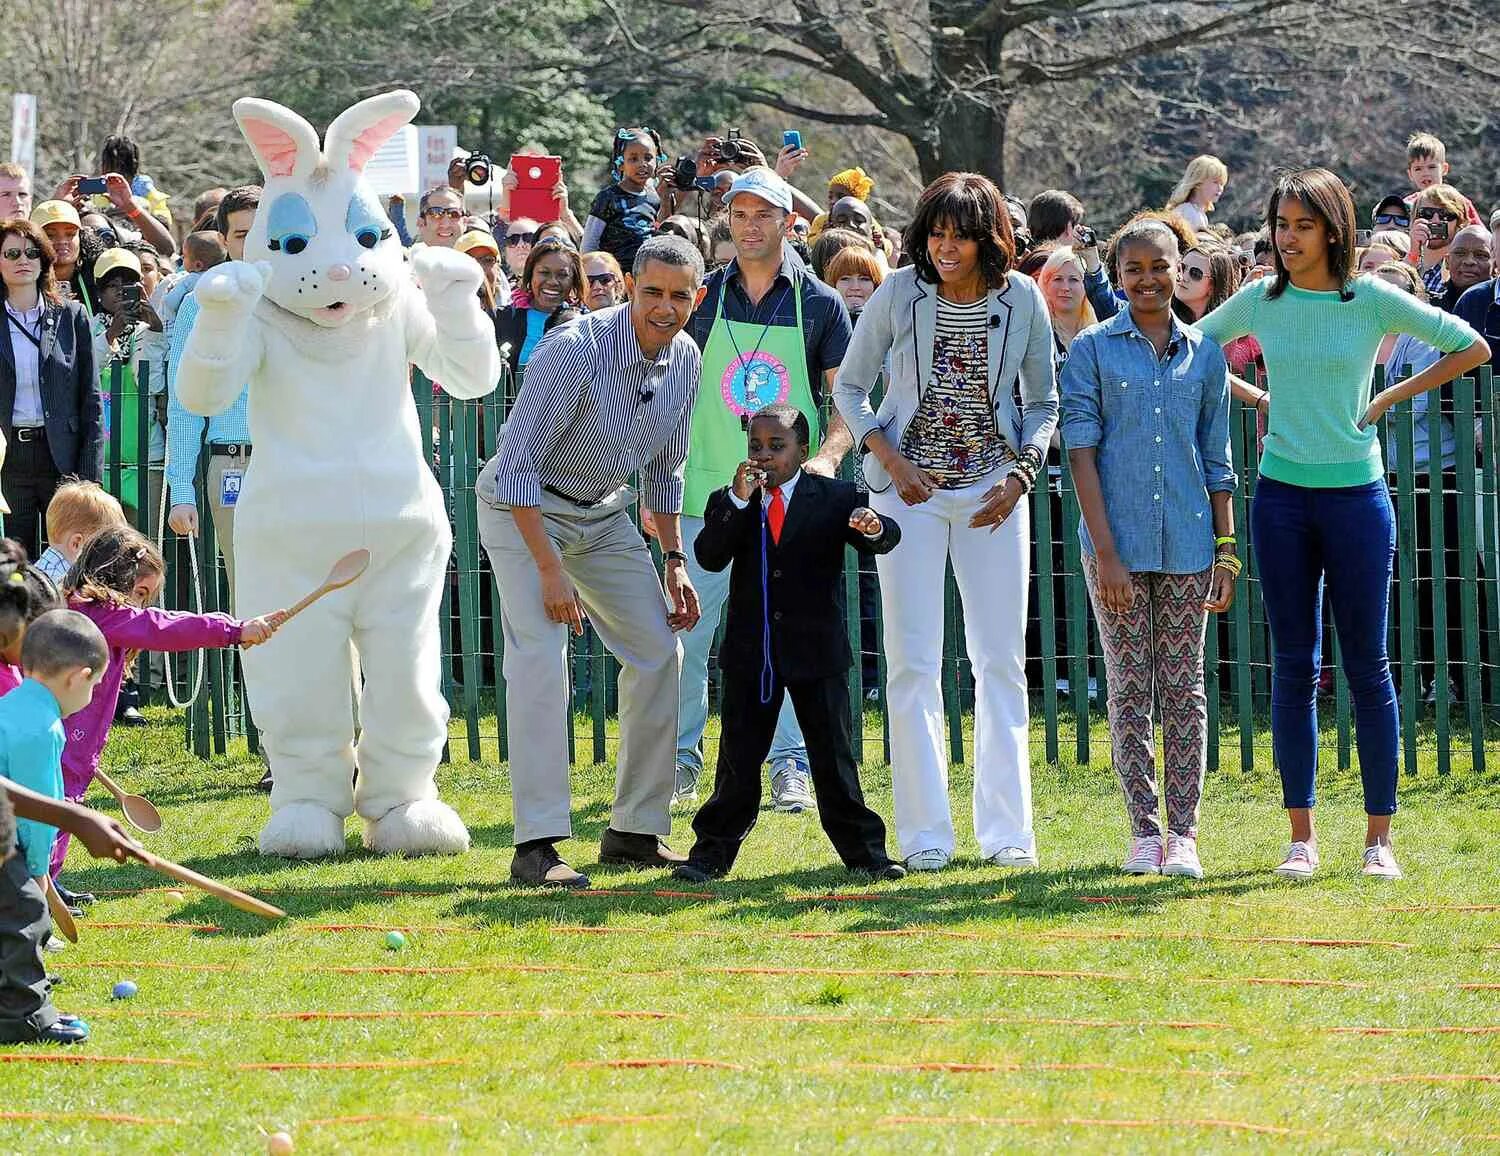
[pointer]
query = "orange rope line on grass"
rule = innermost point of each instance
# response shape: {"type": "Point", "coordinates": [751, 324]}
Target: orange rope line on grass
{"type": "Point", "coordinates": [1085, 1122]}
{"type": "Point", "coordinates": [347, 1065]}
{"type": "Point", "coordinates": [57, 1057]}
{"type": "Point", "coordinates": [657, 1063]}
{"type": "Point", "coordinates": [378, 1118]}
{"type": "Point", "coordinates": [961, 1067]}
{"type": "Point", "coordinates": [90, 1118]}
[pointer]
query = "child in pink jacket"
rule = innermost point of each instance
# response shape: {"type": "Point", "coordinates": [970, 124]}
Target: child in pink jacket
{"type": "Point", "coordinates": [117, 577]}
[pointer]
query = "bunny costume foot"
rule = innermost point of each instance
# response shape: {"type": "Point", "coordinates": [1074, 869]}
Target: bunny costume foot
{"type": "Point", "coordinates": [323, 318]}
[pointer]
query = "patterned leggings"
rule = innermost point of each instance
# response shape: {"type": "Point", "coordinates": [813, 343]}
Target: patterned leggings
{"type": "Point", "coordinates": [1155, 651]}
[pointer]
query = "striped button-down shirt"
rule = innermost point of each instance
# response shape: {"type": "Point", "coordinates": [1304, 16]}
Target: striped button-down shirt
{"type": "Point", "coordinates": [593, 410]}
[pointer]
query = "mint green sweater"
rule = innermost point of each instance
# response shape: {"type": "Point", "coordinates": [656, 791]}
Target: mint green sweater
{"type": "Point", "coordinates": [1320, 359]}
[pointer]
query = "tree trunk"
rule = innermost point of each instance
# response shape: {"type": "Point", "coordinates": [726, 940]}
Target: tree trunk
{"type": "Point", "coordinates": [968, 122]}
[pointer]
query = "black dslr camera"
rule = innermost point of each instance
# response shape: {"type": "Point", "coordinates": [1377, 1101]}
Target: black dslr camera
{"type": "Point", "coordinates": [477, 167]}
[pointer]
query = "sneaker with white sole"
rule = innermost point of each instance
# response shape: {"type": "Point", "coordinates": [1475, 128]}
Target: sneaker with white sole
{"type": "Point", "coordinates": [685, 794]}
{"type": "Point", "coordinates": [1144, 856]}
{"type": "Point", "coordinates": [1300, 862]}
{"type": "Point", "coordinates": [930, 860]}
{"type": "Point", "coordinates": [791, 788]}
{"type": "Point", "coordinates": [1380, 862]}
{"type": "Point", "coordinates": [1013, 857]}
{"type": "Point", "coordinates": [1182, 857]}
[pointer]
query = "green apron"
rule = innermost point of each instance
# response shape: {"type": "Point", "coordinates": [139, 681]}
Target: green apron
{"type": "Point", "coordinates": [746, 365]}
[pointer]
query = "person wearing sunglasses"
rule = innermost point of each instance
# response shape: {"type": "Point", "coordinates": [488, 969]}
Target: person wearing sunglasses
{"type": "Point", "coordinates": [555, 288]}
{"type": "Point", "coordinates": [1391, 213]}
{"type": "Point", "coordinates": [517, 247]}
{"type": "Point", "coordinates": [606, 284]}
{"type": "Point", "coordinates": [440, 217]}
{"type": "Point", "coordinates": [50, 408]}
{"type": "Point", "coordinates": [1437, 213]}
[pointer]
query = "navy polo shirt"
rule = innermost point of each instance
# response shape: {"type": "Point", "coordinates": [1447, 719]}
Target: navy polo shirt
{"type": "Point", "coordinates": [825, 320]}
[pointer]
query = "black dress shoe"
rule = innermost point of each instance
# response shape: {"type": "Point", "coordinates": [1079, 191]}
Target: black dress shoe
{"type": "Point", "coordinates": [623, 849]}
{"type": "Point", "coordinates": [691, 872]}
{"type": "Point", "coordinates": [888, 870]}
{"type": "Point", "coordinates": [55, 980]}
{"type": "Point", "coordinates": [541, 866]}
{"type": "Point", "coordinates": [265, 781]}
{"type": "Point", "coordinates": [73, 898]}
{"type": "Point", "coordinates": [130, 717]}
{"type": "Point", "coordinates": [64, 1031]}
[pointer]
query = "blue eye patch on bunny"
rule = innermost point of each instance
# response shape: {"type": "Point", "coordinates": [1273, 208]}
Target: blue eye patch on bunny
{"type": "Point", "coordinates": [365, 221]}
{"type": "Point", "coordinates": [291, 224]}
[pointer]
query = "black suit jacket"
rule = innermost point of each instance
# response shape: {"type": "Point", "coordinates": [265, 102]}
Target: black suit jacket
{"type": "Point", "coordinates": [804, 576]}
{"type": "Point", "coordinates": [71, 405]}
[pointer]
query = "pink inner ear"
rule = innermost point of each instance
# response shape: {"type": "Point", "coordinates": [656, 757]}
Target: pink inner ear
{"type": "Point", "coordinates": [275, 145]}
{"type": "Point", "coordinates": [368, 142]}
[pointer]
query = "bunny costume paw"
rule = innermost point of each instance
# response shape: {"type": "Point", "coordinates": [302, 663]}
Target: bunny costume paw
{"type": "Point", "coordinates": [324, 318]}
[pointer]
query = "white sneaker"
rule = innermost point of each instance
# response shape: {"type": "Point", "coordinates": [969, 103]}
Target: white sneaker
{"type": "Point", "coordinates": [932, 860]}
{"type": "Point", "coordinates": [1012, 857]}
{"type": "Point", "coordinates": [1300, 862]}
{"type": "Point", "coordinates": [791, 790]}
{"type": "Point", "coordinates": [1182, 857]}
{"type": "Point", "coordinates": [685, 794]}
{"type": "Point", "coordinates": [1380, 862]}
{"type": "Point", "coordinates": [1144, 857]}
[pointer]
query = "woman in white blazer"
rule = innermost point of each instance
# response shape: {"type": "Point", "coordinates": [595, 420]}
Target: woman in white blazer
{"type": "Point", "coordinates": [958, 442]}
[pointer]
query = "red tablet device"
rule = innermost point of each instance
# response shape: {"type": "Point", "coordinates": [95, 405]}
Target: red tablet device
{"type": "Point", "coordinates": [532, 197]}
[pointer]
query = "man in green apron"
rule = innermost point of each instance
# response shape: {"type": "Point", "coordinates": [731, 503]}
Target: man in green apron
{"type": "Point", "coordinates": [769, 332]}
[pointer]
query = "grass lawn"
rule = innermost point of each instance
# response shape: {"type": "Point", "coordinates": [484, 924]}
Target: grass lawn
{"type": "Point", "coordinates": [1066, 1009]}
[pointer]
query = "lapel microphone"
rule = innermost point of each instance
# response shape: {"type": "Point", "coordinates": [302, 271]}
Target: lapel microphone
{"type": "Point", "coordinates": [995, 322]}
{"type": "Point", "coordinates": [646, 394]}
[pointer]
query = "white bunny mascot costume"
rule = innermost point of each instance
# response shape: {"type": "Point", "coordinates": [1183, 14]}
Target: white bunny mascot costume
{"type": "Point", "coordinates": [322, 319]}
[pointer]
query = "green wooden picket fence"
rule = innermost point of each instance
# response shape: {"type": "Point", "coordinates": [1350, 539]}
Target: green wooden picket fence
{"type": "Point", "coordinates": [1065, 665]}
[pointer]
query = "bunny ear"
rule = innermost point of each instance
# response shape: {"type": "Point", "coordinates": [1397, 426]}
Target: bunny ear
{"type": "Point", "coordinates": [283, 143]}
{"type": "Point", "coordinates": [358, 132]}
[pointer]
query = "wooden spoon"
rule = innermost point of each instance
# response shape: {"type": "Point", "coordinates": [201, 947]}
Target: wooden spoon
{"type": "Point", "coordinates": [62, 918]}
{"type": "Point", "coordinates": [344, 571]}
{"type": "Point", "coordinates": [212, 886]}
{"type": "Point", "coordinates": [138, 809]}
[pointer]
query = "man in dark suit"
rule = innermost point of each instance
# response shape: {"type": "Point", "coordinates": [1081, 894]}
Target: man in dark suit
{"type": "Point", "coordinates": [50, 408]}
{"type": "Point", "coordinates": [784, 530]}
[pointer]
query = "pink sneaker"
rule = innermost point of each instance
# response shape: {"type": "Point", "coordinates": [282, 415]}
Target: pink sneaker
{"type": "Point", "coordinates": [1380, 862]}
{"type": "Point", "coordinates": [1144, 857]}
{"type": "Point", "coordinates": [1182, 857]}
{"type": "Point", "coordinates": [1300, 862]}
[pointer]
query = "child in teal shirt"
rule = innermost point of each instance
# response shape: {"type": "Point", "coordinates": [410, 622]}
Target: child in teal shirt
{"type": "Point", "coordinates": [64, 656]}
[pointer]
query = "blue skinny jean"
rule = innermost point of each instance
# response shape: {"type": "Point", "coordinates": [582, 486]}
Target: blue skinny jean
{"type": "Point", "coordinates": [1344, 537]}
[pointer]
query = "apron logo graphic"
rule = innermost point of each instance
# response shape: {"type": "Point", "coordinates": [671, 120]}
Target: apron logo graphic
{"type": "Point", "coordinates": [754, 381]}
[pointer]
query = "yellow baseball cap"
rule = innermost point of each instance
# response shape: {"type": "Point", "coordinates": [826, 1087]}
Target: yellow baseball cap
{"type": "Point", "coordinates": [55, 213]}
{"type": "Point", "coordinates": [116, 258]}
{"type": "Point", "coordinates": [476, 239]}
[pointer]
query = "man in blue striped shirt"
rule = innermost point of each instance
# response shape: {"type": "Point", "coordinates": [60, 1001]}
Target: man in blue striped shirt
{"type": "Point", "coordinates": [605, 397]}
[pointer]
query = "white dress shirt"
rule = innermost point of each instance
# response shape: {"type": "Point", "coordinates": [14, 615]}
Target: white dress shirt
{"type": "Point", "coordinates": [25, 335]}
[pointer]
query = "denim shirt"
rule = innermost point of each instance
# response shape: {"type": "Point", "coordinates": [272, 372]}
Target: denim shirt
{"type": "Point", "coordinates": [1160, 427]}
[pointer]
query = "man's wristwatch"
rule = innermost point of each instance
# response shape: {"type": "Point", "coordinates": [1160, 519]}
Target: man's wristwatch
{"type": "Point", "coordinates": [674, 556]}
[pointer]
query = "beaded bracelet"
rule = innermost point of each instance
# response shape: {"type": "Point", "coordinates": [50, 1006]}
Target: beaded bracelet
{"type": "Point", "coordinates": [1025, 472]}
{"type": "Point", "coordinates": [1230, 563]}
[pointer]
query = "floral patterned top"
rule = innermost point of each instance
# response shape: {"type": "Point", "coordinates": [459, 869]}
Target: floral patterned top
{"type": "Point", "coordinates": [953, 435]}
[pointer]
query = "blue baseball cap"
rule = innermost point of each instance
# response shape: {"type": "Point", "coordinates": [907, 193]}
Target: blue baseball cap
{"type": "Point", "coordinates": [764, 183]}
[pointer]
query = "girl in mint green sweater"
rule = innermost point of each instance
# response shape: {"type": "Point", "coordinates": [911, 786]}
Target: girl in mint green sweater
{"type": "Point", "coordinates": [1322, 514]}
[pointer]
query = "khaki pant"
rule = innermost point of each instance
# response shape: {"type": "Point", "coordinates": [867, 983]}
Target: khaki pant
{"type": "Point", "coordinates": [606, 558]}
{"type": "Point", "coordinates": [222, 515]}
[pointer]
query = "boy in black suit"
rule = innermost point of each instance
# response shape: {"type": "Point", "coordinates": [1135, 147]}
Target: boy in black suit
{"type": "Point", "coordinates": [785, 530]}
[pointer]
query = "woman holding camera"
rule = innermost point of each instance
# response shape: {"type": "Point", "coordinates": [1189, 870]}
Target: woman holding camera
{"type": "Point", "coordinates": [50, 410]}
{"type": "Point", "coordinates": [952, 453]}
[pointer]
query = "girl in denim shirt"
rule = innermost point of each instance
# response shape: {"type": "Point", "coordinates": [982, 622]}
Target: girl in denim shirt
{"type": "Point", "coordinates": [1145, 417]}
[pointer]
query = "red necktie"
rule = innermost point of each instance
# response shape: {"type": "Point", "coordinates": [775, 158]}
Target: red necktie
{"type": "Point", "coordinates": [776, 514]}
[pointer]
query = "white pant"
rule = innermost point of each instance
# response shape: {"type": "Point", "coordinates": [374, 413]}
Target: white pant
{"type": "Point", "coordinates": [991, 569]}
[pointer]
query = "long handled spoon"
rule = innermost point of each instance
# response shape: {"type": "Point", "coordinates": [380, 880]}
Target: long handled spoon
{"type": "Point", "coordinates": [345, 570]}
{"type": "Point", "coordinates": [138, 809]}
{"type": "Point", "coordinates": [62, 918]}
{"type": "Point", "coordinates": [219, 890]}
